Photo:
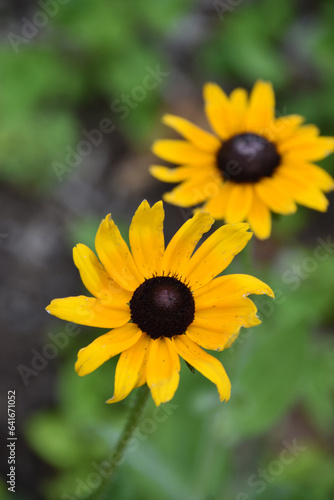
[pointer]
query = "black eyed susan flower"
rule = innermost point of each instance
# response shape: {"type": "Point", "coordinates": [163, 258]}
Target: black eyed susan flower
{"type": "Point", "coordinates": [161, 304]}
{"type": "Point", "coordinates": [254, 164]}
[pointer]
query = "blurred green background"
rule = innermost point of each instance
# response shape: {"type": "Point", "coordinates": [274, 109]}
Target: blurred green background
{"type": "Point", "coordinates": [106, 71]}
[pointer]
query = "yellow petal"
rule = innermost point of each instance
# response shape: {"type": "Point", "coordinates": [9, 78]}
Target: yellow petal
{"type": "Point", "coordinates": [311, 150]}
{"type": "Point", "coordinates": [299, 139]}
{"type": "Point", "coordinates": [259, 218]}
{"type": "Point", "coordinates": [129, 369]}
{"type": "Point", "coordinates": [216, 206]}
{"type": "Point", "coordinates": [216, 253]}
{"type": "Point", "coordinates": [89, 311]}
{"type": "Point", "coordinates": [105, 347]}
{"type": "Point", "coordinates": [176, 174]}
{"type": "Point", "coordinates": [226, 325]}
{"type": "Point", "coordinates": [182, 152]}
{"type": "Point", "coordinates": [274, 196]}
{"type": "Point", "coordinates": [239, 202]}
{"type": "Point", "coordinates": [302, 191]}
{"type": "Point", "coordinates": [310, 174]}
{"type": "Point", "coordinates": [312, 198]}
{"type": "Point", "coordinates": [228, 312]}
{"type": "Point", "coordinates": [261, 108]}
{"type": "Point", "coordinates": [285, 126]}
{"type": "Point", "coordinates": [142, 375]}
{"type": "Point", "coordinates": [162, 370]}
{"type": "Point", "coordinates": [197, 189]}
{"type": "Point", "coordinates": [288, 182]}
{"type": "Point", "coordinates": [232, 286]}
{"type": "Point", "coordinates": [147, 238]}
{"type": "Point", "coordinates": [239, 98]}
{"type": "Point", "coordinates": [199, 137]}
{"type": "Point", "coordinates": [213, 339]}
{"type": "Point", "coordinates": [239, 103]}
{"type": "Point", "coordinates": [218, 110]}
{"type": "Point", "coordinates": [209, 366]}
{"type": "Point", "coordinates": [115, 255]}
{"type": "Point", "coordinates": [96, 279]}
{"type": "Point", "coordinates": [183, 243]}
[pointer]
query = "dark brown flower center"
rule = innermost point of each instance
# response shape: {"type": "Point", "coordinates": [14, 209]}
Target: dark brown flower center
{"type": "Point", "coordinates": [247, 158]}
{"type": "Point", "coordinates": [162, 306]}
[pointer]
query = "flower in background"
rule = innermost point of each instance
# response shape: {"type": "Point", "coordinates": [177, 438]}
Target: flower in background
{"type": "Point", "coordinates": [160, 303]}
{"type": "Point", "coordinates": [254, 164]}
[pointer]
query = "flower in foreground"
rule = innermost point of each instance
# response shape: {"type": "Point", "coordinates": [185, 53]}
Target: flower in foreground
{"type": "Point", "coordinates": [160, 303]}
{"type": "Point", "coordinates": [254, 164]}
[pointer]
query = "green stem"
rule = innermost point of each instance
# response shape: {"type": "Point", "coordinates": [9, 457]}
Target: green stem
{"type": "Point", "coordinates": [106, 489]}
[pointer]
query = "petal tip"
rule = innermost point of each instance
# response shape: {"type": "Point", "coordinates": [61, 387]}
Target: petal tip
{"type": "Point", "coordinates": [154, 169]}
{"type": "Point", "coordinates": [209, 86]}
{"type": "Point", "coordinates": [168, 119]}
{"type": "Point", "coordinates": [105, 221]}
{"type": "Point", "coordinates": [78, 369]}
{"type": "Point", "coordinates": [166, 197]}
{"type": "Point", "coordinates": [50, 308]}
{"type": "Point", "coordinates": [144, 205]}
{"type": "Point", "coordinates": [76, 252]}
{"type": "Point", "coordinates": [159, 204]}
{"type": "Point", "coordinates": [225, 399]}
{"type": "Point", "coordinates": [227, 395]}
{"type": "Point", "coordinates": [156, 147]}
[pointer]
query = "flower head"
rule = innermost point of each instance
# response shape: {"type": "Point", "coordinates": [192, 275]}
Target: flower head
{"type": "Point", "coordinates": [254, 164]}
{"type": "Point", "coordinates": [160, 304]}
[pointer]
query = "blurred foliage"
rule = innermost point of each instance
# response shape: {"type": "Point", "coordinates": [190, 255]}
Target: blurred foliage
{"type": "Point", "coordinates": [244, 47]}
{"type": "Point", "coordinates": [91, 50]}
{"type": "Point", "coordinates": [100, 50]}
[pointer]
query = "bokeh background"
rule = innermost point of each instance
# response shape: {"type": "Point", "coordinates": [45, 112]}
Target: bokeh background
{"type": "Point", "coordinates": [70, 69]}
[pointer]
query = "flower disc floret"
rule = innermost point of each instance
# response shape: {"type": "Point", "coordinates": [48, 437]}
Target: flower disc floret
{"type": "Point", "coordinates": [247, 158]}
{"type": "Point", "coordinates": [162, 306]}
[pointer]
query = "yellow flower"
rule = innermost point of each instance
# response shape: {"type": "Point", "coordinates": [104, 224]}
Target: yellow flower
{"type": "Point", "coordinates": [254, 164]}
{"type": "Point", "coordinates": [160, 303]}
